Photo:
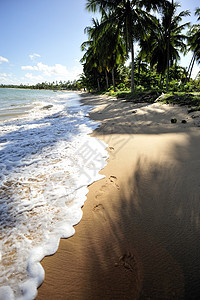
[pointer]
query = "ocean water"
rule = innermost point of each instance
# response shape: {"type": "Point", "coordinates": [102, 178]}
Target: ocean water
{"type": "Point", "coordinates": [47, 160]}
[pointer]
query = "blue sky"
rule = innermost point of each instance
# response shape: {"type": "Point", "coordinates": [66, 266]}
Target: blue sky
{"type": "Point", "coordinates": [40, 39]}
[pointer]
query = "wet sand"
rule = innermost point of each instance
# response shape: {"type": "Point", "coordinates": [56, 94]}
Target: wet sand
{"type": "Point", "coordinates": [139, 237]}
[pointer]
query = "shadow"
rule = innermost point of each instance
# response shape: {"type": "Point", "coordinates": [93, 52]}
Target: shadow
{"type": "Point", "coordinates": [118, 116]}
{"type": "Point", "coordinates": [140, 233]}
{"type": "Point", "coordinates": [150, 236]}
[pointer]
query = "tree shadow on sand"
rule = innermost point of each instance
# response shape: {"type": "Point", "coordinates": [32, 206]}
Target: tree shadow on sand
{"type": "Point", "coordinates": [141, 239]}
{"type": "Point", "coordinates": [149, 237]}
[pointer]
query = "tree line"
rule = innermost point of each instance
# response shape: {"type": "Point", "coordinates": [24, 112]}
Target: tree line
{"type": "Point", "coordinates": [55, 85]}
{"type": "Point", "coordinates": [161, 34]}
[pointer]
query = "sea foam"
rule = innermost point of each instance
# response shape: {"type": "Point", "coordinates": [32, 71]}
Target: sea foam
{"type": "Point", "coordinates": [47, 160]}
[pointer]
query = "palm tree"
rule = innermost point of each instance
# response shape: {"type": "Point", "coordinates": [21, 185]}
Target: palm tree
{"type": "Point", "coordinates": [110, 46]}
{"type": "Point", "coordinates": [129, 17]}
{"type": "Point", "coordinates": [92, 59]}
{"type": "Point", "coordinates": [194, 42]}
{"type": "Point", "coordinates": [105, 48]}
{"type": "Point", "coordinates": [165, 39]}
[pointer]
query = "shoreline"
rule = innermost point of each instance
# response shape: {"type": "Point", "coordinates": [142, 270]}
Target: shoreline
{"type": "Point", "coordinates": [140, 231]}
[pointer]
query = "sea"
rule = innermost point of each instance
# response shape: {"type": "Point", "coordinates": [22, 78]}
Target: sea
{"type": "Point", "coordinates": [47, 161]}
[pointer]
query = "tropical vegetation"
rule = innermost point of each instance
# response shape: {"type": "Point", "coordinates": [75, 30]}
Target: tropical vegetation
{"type": "Point", "coordinates": [159, 32]}
{"type": "Point", "coordinates": [66, 85]}
{"type": "Point", "coordinates": [156, 28]}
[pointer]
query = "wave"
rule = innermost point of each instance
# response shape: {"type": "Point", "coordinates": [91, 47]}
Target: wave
{"type": "Point", "coordinates": [47, 160]}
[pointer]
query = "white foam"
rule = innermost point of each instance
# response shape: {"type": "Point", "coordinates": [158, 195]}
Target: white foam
{"type": "Point", "coordinates": [47, 161]}
{"type": "Point", "coordinates": [6, 293]}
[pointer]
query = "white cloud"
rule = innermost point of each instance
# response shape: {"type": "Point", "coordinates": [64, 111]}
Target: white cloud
{"type": "Point", "coordinates": [3, 59]}
{"type": "Point", "coordinates": [3, 75]}
{"type": "Point", "coordinates": [8, 78]}
{"type": "Point", "coordinates": [58, 69]}
{"type": "Point", "coordinates": [34, 78]}
{"type": "Point", "coordinates": [34, 55]}
{"type": "Point", "coordinates": [55, 72]}
{"type": "Point", "coordinates": [29, 68]}
{"type": "Point", "coordinates": [48, 70]}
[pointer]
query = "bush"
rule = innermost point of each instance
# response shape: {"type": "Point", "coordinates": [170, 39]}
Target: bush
{"type": "Point", "coordinates": [122, 87]}
{"type": "Point", "coordinates": [140, 88]}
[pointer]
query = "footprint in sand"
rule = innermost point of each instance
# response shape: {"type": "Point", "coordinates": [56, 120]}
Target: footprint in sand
{"type": "Point", "coordinates": [113, 180]}
{"type": "Point", "coordinates": [129, 263]}
{"type": "Point", "coordinates": [101, 191]}
{"type": "Point", "coordinates": [99, 208]}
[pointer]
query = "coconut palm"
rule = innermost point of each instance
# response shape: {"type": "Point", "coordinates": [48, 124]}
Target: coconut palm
{"type": "Point", "coordinates": [165, 39]}
{"type": "Point", "coordinates": [194, 42]}
{"type": "Point", "coordinates": [129, 17]}
{"type": "Point", "coordinates": [105, 48]}
{"type": "Point", "coordinates": [110, 46]}
{"type": "Point", "coordinates": [92, 59]}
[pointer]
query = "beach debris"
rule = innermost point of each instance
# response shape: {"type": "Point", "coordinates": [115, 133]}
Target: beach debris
{"type": "Point", "coordinates": [173, 120]}
{"type": "Point", "coordinates": [161, 97]}
{"type": "Point", "coordinates": [134, 111]}
{"type": "Point", "coordinates": [184, 121]}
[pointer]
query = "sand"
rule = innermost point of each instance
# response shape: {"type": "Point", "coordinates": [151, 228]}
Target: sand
{"type": "Point", "coordinates": [139, 237]}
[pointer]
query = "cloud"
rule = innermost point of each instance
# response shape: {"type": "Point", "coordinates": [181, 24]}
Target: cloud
{"type": "Point", "coordinates": [3, 75]}
{"type": "Point", "coordinates": [3, 59]}
{"type": "Point", "coordinates": [34, 78]}
{"type": "Point", "coordinates": [29, 68]}
{"type": "Point", "coordinates": [8, 78]}
{"type": "Point", "coordinates": [58, 69]}
{"type": "Point", "coordinates": [48, 70]}
{"type": "Point", "coordinates": [34, 55]}
{"type": "Point", "coordinates": [55, 72]}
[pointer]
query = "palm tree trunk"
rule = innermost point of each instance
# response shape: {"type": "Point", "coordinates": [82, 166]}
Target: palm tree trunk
{"type": "Point", "coordinates": [132, 67]}
{"type": "Point", "coordinates": [139, 67]}
{"type": "Point", "coordinates": [98, 84]}
{"type": "Point", "coordinates": [188, 70]}
{"type": "Point", "coordinates": [107, 83]}
{"type": "Point", "coordinates": [168, 41]}
{"type": "Point", "coordinates": [113, 78]}
{"type": "Point", "coordinates": [167, 81]}
{"type": "Point", "coordinates": [191, 67]}
{"type": "Point", "coordinates": [161, 82]}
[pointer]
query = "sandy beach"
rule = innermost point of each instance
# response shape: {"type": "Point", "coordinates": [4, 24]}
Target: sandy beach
{"type": "Point", "coordinates": [139, 237]}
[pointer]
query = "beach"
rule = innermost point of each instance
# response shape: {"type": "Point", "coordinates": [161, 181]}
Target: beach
{"type": "Point", "coordinates": [139, 237]}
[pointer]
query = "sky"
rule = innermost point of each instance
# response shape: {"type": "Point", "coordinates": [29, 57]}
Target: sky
{"type": "Point", "coordinates": [41, 39]}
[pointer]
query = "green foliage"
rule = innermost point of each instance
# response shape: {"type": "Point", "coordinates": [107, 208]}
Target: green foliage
{"type": "Point", "coordinates": [161, 41]}
{"type": "Point", "coordinates": [140, 88]}
{"type": "Point", "coordinates": [181, 98]}
{"type": "Point", "coordinates": [122, 87]}
{"type": "Point", "coordinates": [193, 109]}
{"type": "Point", "coordinates": [194, 37]}
{"type": "Point", "coordinates": [69, 85]}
